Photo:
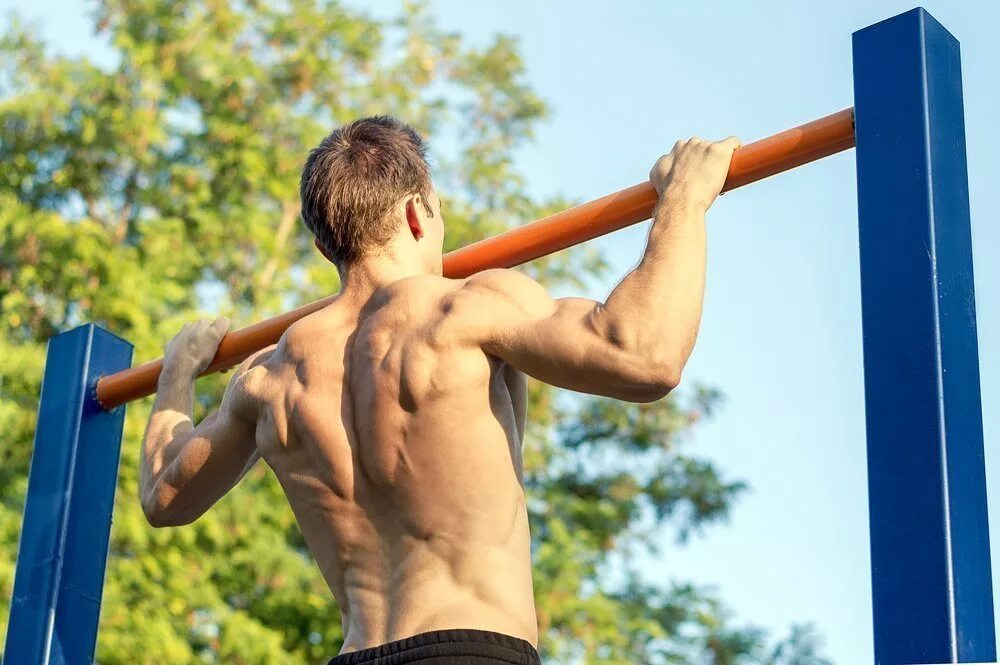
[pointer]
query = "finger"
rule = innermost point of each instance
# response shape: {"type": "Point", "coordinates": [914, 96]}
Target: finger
{"type": "Point", "coordinates": [731, 142]}
{"type": "Point", "coordinates": [220, 326]}
{"type": "Point", "coordinates": [661, 168]}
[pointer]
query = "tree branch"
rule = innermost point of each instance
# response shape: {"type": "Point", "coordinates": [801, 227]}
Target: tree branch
{"type": "Point", "coordinates": [129, 209]}
{"type": "Point", "coordinates": [289, 213]}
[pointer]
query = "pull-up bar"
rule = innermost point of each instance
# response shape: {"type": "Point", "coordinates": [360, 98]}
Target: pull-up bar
{"type": "Point", "coordinates": [750, 163]}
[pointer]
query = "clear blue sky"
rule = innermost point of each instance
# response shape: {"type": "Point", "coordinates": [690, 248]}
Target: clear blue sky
{"type": "Point", "coordinates": [781, 334]}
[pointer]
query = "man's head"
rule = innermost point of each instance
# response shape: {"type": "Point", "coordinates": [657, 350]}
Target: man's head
{"type": "Point", "coordinates": [366, 191]}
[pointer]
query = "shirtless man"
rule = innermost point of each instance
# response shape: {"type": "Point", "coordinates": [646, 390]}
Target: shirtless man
{"type": "Point", "coordinates": [394, 417]}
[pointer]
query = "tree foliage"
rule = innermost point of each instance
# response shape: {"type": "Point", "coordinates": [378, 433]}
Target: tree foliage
{"type": "Point", "coordinates": [163, 186]}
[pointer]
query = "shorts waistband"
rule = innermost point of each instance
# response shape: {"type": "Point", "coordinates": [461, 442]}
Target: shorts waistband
{"type": "Point", "coordinates": [458, 645]}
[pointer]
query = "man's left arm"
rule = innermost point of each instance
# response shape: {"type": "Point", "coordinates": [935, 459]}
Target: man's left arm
{"type": "Point", "coordinates": [186, 469]}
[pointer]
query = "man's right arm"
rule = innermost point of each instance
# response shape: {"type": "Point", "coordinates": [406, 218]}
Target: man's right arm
{"type": "Point", "coordinates": [634, 346]}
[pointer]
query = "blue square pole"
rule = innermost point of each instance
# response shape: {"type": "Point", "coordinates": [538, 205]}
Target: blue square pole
{"type": "Point", "coordinates": [63, 550]}
{"type": "Point", "coordinates": [931, 584]}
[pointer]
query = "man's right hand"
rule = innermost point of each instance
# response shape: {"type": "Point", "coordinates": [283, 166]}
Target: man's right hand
{"type": "Point", "coordinates": [694, 172]}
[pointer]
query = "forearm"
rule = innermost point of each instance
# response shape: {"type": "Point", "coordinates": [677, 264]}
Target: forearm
{"type": "Point", "coordinates": [655, 311]}
{"type": "Point", "coordinates": [170, 425]}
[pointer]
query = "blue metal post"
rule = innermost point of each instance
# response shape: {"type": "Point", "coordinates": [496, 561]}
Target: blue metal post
{"type": "Point", "coordinates": [67, 518]}
{"type": "Point", "coordinates": [930, 552]}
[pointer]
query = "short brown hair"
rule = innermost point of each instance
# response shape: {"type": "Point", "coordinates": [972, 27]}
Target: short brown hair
{"type": "Point", "coordinates": [352, 180]}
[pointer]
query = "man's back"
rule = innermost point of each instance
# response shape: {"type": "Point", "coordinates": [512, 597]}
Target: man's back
{"type": "Point", "coordinates": [398, 445]}
{"type": "Point", "coordinates": [393, 418]}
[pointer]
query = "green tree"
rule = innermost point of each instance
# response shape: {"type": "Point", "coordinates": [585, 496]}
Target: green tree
{"type": "Point", "coordinates": [163, 186]}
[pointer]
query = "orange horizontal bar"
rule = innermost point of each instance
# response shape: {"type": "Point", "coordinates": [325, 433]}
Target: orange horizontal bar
{"type": "Point", "coordinates": [631, 205]}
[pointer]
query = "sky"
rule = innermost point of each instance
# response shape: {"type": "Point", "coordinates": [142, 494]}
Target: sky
{"type": "Point", "coordinates": [781, 332]}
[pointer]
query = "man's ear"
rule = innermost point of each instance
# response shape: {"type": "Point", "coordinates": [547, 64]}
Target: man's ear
{"type": "Point", "coordinates": [413, 219]}
{"type": "Point", "coordinates": [322, 250]}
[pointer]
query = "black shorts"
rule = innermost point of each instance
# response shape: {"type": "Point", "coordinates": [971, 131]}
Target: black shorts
{"type": "Point", "coordinates": [447, 647]}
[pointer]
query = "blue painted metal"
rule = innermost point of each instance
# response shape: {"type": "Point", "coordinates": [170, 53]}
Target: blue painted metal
{"type": "Point", "coordinates": [67, 518]}
{"type": "Point", "coordinates": [930, 552]}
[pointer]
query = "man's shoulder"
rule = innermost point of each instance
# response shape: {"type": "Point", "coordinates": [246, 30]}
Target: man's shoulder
{"type": "Point", "coordinates": [248, 383]}
{"type": "Point", "coordinates": [297, 344]}
{"type": "Point", "coordinates": [467, 312]}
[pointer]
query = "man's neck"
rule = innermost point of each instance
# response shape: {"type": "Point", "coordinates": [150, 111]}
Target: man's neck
{"type": "Point", "coordinates": [366, 277]}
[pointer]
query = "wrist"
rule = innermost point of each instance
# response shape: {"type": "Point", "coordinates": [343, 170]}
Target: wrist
{"type": "Point", "coordinates": [678, 197]}
{"type": "Point", "coordinates": [678, 201]}
{"type": "Point", "coordinates": [173, 373]}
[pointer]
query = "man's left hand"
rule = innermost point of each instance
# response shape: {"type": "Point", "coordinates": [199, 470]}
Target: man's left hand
{"type": "Point", "coordinates": [191, 350]}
